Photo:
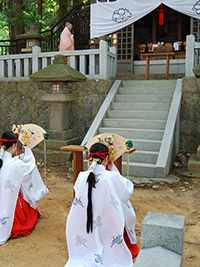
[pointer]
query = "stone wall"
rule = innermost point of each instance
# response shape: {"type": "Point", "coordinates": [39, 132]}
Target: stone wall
{"type": "Point", "coordinates": [190, 114]}
{"type": "Point", "coordinates": [20, 103]}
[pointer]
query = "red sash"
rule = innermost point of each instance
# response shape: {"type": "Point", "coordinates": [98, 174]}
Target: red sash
{"type": "Point", "coordinates": [24, 220]}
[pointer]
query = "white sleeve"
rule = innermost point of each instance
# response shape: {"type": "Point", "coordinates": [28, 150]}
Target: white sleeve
{"type": "Point", "coordinates": [124, 188]}
{"type": "Point", "coordinates": [114, 168]}
{"type": "Point", "coordinates": [32, 187]}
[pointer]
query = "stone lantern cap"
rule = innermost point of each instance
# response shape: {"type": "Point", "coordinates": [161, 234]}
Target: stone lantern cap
{"type": "Point", "coordinates": [32, 34]}
{"type": "Point", "coordinates": [196, 71]}
{"type": "Point", "coordinates": [58, 71]}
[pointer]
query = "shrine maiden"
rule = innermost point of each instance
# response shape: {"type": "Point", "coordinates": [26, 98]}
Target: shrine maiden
{"type": "Point", "coordinates": [100, 212]}
{"type": "Point", "coordinates": [21, 187]}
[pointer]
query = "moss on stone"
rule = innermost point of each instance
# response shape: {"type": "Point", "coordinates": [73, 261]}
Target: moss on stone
{"type": "Point", "coordinates": [58, 71]}
{"type": "Point", "coordinates": [196, 71]}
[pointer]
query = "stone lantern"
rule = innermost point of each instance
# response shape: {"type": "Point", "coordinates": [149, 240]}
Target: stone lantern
{"type": "Point", "coordinates": [59, 74]}
{"type": "Point", "coordinates": [32, 38]}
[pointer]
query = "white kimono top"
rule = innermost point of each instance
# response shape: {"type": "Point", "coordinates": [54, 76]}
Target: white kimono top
{"type": "Point", "coordinates": [112, 211]}
{"type": "Point", "coordinates": [18, 175]}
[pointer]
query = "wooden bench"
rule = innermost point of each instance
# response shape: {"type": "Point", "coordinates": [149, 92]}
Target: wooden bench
{"type": "Point", "coordinates": [148, 55]}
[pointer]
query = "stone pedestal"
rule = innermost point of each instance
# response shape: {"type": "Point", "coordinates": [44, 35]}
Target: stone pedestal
{"type": "Point", "coordinates": [166, 230]}
{"type": "Point", "coordinates": [158, 257]}
{"type": "Point", "coordinates": [161, 241]}
{"type": "Point", "coordinates": [194, 163]}
{"type": "Point", "coordinates": [59, 115]}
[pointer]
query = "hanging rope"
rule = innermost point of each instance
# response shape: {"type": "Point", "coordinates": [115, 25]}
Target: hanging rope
{"type": "Point", "coordinates": [127, 166]}
{"type": "Point", "coordinates": [46, 137]}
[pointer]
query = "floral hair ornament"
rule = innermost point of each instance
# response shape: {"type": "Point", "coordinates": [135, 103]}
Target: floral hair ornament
{"type": "Point", "coordinates": [16, 129]}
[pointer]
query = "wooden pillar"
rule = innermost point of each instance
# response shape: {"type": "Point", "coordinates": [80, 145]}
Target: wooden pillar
{"type": "Point", "coordinates": [180, 27]}
{"type": "Point", "coordinates": [147, 68]}
{"type": "Point", "coordinates": [167, 68]}
{"type": "Point", "coordinates": [154, 29]}
{"type": "Point", "coordinates": [132, 48]}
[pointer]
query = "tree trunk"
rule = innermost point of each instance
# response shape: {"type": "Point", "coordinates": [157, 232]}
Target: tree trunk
{"type": "Point", "coordinates": [16, 27]}
{"type": "Point", "coordinates": [39, 13]}
{"type": "Point", "coordinates": [11, 15]}
{"type": "Point", "coordinates": [64, 7]}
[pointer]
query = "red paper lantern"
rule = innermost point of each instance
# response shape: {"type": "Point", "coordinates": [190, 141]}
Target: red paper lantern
{"type": "Point", "coordinates": [161, 15]}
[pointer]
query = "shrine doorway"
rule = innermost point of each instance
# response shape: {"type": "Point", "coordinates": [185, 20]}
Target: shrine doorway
{"type": "Point", "coordinates": [147, 32]}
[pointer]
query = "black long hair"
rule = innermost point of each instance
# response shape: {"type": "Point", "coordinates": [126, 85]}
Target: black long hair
{"type": "Point", "coordinates": [97, 151]}
{"type": "Point", "coordinates": [8, 138]}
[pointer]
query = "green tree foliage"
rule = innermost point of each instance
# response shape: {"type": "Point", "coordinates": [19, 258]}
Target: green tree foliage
{"type": "Point", "coordinates": [4, 29]}
{"type": "Point", "coordinates": [11, 16]}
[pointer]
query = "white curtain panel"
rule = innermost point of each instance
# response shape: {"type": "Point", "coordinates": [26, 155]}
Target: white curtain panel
{"type": "Point", "coordinates": [108, 17]}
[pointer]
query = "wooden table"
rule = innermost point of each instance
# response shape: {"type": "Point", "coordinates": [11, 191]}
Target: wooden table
{"type": "Point", "coordinates": [148, 55]}
{"type": "Point", "coordinates": [78, 159]}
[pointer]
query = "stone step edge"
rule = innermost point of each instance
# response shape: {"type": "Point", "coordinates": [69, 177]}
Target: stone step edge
{"type": "Point", "coordinates": [132, 129]}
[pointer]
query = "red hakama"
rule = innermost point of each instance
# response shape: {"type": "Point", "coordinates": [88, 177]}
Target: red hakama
{"type": "Point", "coordinates": [25, 218]}
{"type": "Point", "coordinates": [133, 248]}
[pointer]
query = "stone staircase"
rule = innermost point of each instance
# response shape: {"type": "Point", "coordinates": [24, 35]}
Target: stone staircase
{"type": "Point", "coordinates": [139, 112]}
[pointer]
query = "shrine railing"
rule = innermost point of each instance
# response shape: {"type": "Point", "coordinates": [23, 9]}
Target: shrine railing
{"type": "Point", "coordinates": [93, 63]}
{"type": "Point", "coordinates": [192, 55]}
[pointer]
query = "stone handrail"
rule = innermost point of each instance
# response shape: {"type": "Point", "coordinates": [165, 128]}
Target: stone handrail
{"type": "Point", "coordinates": [191, 56]}
{"type": "Point", "coordinates": [171, 136]}
{"type": "Point", "coordinates": [93, 63]}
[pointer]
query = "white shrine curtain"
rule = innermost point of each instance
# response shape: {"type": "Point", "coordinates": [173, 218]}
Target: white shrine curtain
{"type": "Point", "coordinates": [108, 17]}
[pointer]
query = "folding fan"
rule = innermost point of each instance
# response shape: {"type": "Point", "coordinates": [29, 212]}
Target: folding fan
{"type": "Point", "coordinates": [31, 135]}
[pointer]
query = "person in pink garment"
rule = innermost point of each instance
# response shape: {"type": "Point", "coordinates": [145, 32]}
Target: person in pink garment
{"type": "Point", "coordinates": [66, 38]}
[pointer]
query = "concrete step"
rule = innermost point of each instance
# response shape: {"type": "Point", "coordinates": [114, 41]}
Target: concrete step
{"type": "Point", "coordinates": [155, 77]}
{"type": "Point", "coordinates": [147, 145]}
{"type": "Point", "coordinates": [146, 91]}
{"type": "Point", "coordinates": [133, 97]}
{"type": "Point", "coordinates": [136, 124]}
{"type": "Point", "coordinates": [138, 114]}
{"type": "Point", "coordinates": [149, 83]}
{"type": "Point", "coordinates": [134, 133]}
{"type": "Point", "coordinates": [135, 169]}
{"type": "Point", "coordinates": [141, 106]}
{"type": "Point", "coordinates": [142, 156]}
{"type": "Point", "coordinates": [139, 169]}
